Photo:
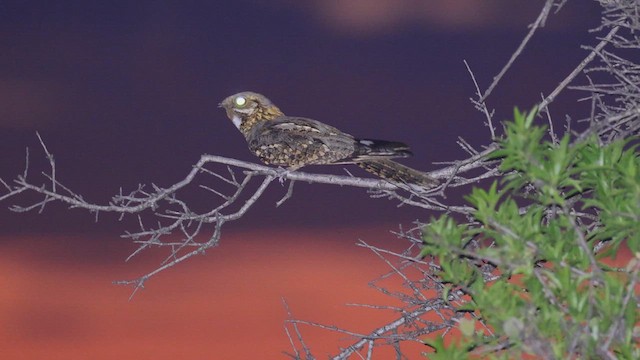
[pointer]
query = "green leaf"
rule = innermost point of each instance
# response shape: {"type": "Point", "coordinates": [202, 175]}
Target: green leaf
{"type": "Point", "coordinates": [467, 327]}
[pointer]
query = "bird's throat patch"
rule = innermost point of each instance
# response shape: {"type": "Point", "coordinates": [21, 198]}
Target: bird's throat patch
{"type": "Point", "coordinates": [237, 121]}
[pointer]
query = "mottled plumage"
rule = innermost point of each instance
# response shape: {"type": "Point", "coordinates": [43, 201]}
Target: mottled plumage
{"type": "Point", "coordinates": [294, 142]}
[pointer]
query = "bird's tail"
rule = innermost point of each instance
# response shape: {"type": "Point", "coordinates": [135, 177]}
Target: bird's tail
{"type": "Point", "coordinates": [368, 148]}
{"type": "Point", "coordinates": [398, 173]}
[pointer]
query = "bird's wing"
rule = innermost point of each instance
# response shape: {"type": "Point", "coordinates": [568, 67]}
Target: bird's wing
{"type": "Point", "coordinates": [292, 129]}
{"type": "Point", "coordinates": [304, 126]}
{"type": "Point", "coordinates": [296, 141]}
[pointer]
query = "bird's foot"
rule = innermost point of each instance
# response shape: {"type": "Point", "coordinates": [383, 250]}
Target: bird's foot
{"type": "Point", "coordinates": [282, 174]}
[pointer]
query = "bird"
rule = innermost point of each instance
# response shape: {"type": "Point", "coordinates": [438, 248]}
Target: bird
{"type": "Point", "coordinates": [294, 142]}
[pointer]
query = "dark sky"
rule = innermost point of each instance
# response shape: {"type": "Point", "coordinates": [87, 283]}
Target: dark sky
{"type": "Point", "coordinates": [125, 92]}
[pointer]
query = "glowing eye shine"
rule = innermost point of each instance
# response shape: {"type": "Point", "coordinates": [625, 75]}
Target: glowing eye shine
{"type": "Point", "coordinates": [240, 101]}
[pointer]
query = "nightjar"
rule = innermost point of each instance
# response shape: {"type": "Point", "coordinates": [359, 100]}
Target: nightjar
{"type": "Point", "coordinates": [294, 142]}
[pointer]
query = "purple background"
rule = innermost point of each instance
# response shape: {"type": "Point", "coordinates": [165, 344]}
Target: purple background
{"type": "Point", "coordinates": [126, 92]}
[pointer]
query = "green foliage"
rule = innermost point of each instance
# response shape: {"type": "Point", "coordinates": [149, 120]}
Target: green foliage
{"type": "Point", "coordinates": [444, 352]}
{"type": "Point", "coordinates": [549, 293]}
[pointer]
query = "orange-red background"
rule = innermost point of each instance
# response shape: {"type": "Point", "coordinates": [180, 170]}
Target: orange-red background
{"type": "Point", "coordinates": [57, 301]}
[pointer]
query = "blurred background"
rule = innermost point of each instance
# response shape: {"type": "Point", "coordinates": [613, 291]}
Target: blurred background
{"type": "Point", "coordinates": [125, 93]}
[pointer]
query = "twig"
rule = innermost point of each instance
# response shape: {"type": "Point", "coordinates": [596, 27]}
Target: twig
{"type": "Point", "coordinates": [288, 195]}
{"type": "Point", "coordinates": [578, 69]}
{"type": "Point", "coordinates": [542, 17]}
{"type": "Point", "coordinates": [305, 348]}
{"type": "Point", "coordinates": [480, 104]}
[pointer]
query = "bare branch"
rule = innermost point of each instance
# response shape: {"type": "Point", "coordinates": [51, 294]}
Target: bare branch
{"type": "Point", "coordinates": [540, 22]}
{"type": "Point", "coordinates": [578, 69]}
{"type": "Point", "coordinates": [288, 195]}
{"type": "Point", "coordinates": [480, 104]}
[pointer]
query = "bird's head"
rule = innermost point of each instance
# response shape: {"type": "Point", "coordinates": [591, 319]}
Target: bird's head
{"type": "Point", "coordinates": [247, 108]}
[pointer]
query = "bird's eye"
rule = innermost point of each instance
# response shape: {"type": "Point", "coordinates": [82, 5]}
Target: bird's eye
{"type": "Point", "coordinates": [240, 101]}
